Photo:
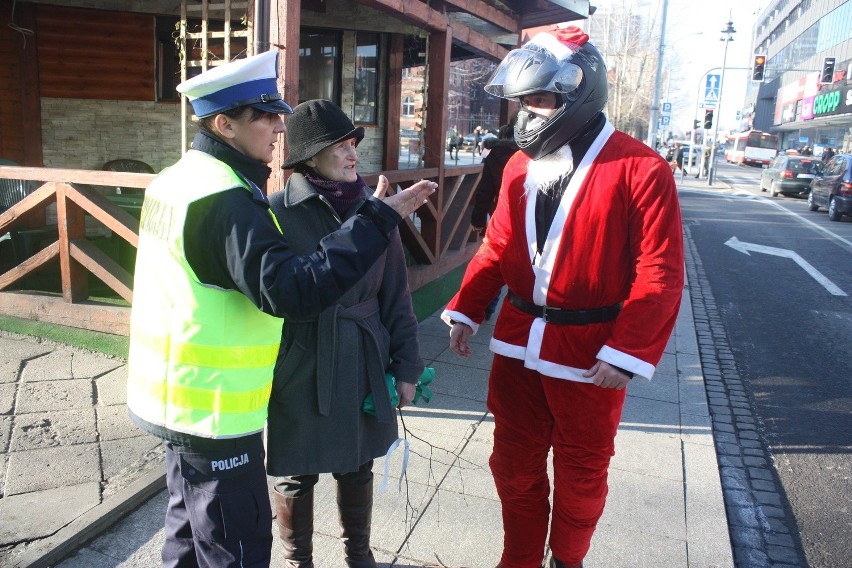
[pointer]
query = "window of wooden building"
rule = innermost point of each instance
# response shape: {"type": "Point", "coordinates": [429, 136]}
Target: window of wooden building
{"type": "Point", "coordinates": [320, 65]}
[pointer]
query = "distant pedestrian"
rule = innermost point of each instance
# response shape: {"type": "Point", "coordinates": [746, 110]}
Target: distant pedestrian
{"type": "Point", "coordinates": [453, 142]}
{"type": "Point", "coordinates": [827, 154]}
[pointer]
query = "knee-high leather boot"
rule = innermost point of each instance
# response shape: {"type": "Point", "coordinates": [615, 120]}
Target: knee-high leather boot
{"type": "Point", "coordinates": [355, 503]}
{"type": "Point", "coordinates": [296, 526]}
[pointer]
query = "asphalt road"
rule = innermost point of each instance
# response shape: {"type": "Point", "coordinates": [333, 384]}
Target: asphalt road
{"type": "Point", "coordinates": [782, 278]}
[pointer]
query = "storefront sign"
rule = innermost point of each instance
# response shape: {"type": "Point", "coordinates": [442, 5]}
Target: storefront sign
{"type": "Point", "coordinates": [833, 102]}
{"type": "Point", "coordinates": [808, 108]}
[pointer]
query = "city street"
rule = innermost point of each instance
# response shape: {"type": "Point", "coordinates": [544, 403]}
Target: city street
{"type": "Point", "coordinates": [781, 279]}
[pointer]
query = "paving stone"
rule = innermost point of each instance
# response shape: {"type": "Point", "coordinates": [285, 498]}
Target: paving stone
{"type": "Point", "coordinates": [730, 461]}
{"type": "Point", "coordinates": [768, 498]}
{"type": "Point", "coordinates": [111, 389]}
{"type": "Point", "coordinates": [9, 369]}
{"type": "Point", "coordinates": [35, 515]}
{"type": "Point", "coordinates": [754, 461]}
{"type": "Point", "coordinates": [4, 459]}
{"type": "Point", "coordinates": [48, 468]}
{"type": "Point", "coordinates": [55, 428]}
{"type": "Point", "coordinates": [782, 554]}
{"type": "Point", "coordinates": [122, 461]}
{"type": "Point", "coordinates": [777, 539]}
{"type": "Point", "coordinates": [5, 432]}
{"type": "Point", "coordinates": [728, 449]}
{"type": "Point", "coordinates": [778, 524]}
{"type": "Point", "coordinates": [67, 364]}
{"type": "Point", "coordinates": [7, 397]}
{"type": "Point", "coordinates": [44, 396]}
{"type": "Point", "coordinates": [114, 423]}
{"type": "Point", "coordinates": [760, 473]}
{"type": "Point", "coordinates": [743, 516]}
{"type": "Point", "coordinates": [774, 512]}
{"type": "Point", "coordinates": [22, 349]}
{"type": "Point", "coordinates": [761, 485]}
{"type": "Point", "coordinates": [752, 557]}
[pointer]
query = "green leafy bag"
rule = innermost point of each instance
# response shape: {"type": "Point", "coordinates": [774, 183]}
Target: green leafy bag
{"type": "Point", "coordinates": [422, 393]}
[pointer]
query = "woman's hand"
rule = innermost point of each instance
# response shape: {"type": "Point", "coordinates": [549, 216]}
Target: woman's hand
{"type": "Point", "coordinates": [408, 200]}
{"type": "Point", "coordinates": [406, 392]}
{"type": "Point", "coordinates": [460, 339]}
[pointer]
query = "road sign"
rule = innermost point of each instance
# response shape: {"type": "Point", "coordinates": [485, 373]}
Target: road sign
{"type": "Point", "coordinates": [711, 90]}
{"type": "Point", "coordinates": [665, 120]}
{"type": "Point", "coordinates": [667, 108]}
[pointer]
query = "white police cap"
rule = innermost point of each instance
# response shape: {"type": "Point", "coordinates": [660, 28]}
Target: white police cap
{"type": "Point", "coordinates": [243, 82]}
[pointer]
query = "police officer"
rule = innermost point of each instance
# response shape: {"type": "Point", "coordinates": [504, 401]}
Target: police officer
{"type": "Point", "coordinates": [214, 276]}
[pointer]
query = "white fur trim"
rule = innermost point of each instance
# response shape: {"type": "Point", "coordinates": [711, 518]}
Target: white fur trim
{"type": "Point", "coordinates": [448, 315]}
{"type": "Point", "coordinates": [543, 266]}
{"type": "Point", "coordinates": [549, 43]}
{"type": "Point", "coordinates": [628, 362]}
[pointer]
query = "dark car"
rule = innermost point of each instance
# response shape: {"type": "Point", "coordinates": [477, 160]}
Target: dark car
{"type": "Point", "coordinates": [790, 175]}
{"type": "Point", "coordinates": [832, 188]}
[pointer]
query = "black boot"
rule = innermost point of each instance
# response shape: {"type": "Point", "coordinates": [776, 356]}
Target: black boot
{"type": "Point", "coordinates": [355, 503]}
{"type": "Point", "coordinates": [554, 563]}
{"type": "Point", "coordinates": [296, 526]}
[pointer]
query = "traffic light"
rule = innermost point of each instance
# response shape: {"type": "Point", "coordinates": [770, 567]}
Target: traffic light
{"type": "Point", "coordinates": [758, 69]}
{"type": "Point", "coordinates": [708, 119]}
{"type": "Point", "coordinates": [695, 124]}
{"type": "Point", "coordinates": [827, 76]}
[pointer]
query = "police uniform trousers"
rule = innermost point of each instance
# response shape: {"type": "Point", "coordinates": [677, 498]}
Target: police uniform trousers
{"type": "Point", "coordinates": [219, 513]}
{"type": "Point", "coordinates": [532, 413]}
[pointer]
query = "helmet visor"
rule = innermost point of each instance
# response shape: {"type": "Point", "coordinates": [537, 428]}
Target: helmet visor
{"type": "Point", "coordinates": [531, 69]}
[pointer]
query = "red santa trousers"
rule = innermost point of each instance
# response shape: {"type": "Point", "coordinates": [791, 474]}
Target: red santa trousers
{"type": "Point", "coordinates": [533, 413]}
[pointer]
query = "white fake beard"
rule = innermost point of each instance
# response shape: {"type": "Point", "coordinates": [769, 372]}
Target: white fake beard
{"type": "Point", "coordinates": [548, 169]}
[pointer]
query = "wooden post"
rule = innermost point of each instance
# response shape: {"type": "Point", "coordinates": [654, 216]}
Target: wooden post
{"type": "Point", "coordinates": [72, 225]}
{"type": "Point", "coordinates": [30, 91]}
{"type": "Point", "coordinates": [394, 102]}
{"type": "Point", "coordinates": [437, 81]}
{"type": "Point", "coordinates": [284, 19]}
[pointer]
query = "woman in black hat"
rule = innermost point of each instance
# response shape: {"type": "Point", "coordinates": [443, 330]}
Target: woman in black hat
{"type": "Point", "coordinates": [328, 364]}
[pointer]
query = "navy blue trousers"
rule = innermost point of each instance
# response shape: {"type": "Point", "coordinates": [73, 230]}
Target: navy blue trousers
{"type": "Point", "coordinates": [219, 513]}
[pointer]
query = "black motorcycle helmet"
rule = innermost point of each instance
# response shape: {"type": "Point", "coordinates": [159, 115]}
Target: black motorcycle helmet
{"type": "Point", "coordinates": [562, 62]}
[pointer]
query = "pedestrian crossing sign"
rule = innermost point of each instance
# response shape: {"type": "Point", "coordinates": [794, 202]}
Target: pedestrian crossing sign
{"type": "Point", "coordinates": [711, 90]}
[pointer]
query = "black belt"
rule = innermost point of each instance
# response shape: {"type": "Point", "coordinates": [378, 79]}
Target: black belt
{"type": "Point", "coordinates": [565, 317]}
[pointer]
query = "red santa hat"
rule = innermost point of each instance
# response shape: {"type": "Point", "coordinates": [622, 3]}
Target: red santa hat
{"type": "Point", "coordinates": [560, 42]}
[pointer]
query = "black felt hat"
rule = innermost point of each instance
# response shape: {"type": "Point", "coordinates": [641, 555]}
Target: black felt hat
{"type": "Point", "coordinates": [315, 125]}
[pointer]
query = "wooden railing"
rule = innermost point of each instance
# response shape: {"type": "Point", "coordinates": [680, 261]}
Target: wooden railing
{"type": "Point", "coordinates": [437, 236]}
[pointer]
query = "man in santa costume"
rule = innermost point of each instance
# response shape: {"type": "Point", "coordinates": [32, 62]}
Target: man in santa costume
{"type": "Point", "coordinates": [587, 236]}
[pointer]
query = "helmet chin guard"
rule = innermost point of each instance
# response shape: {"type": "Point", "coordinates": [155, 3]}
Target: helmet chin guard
{"type": "Point", "coordinates": [561, 62]}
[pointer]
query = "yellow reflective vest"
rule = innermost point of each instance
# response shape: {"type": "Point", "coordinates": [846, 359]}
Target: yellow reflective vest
{"type": "Point", "coordinates": [201, 357]}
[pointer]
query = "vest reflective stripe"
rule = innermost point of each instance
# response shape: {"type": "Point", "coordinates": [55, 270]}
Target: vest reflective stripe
{"type": "Point", "coordinates": [237, 357]}
{"type": "Point", "coordinates": [201, 358]}
{"type": "Point", "coordinates": [205, 400]}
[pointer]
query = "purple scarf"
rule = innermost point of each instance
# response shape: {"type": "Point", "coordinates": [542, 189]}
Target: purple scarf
{"type": "Point", "coordinates": [340, 194]}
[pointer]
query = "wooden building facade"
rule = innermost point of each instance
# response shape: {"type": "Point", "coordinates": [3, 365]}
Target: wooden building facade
{"type": "Point", "coordinates": [84, 83]}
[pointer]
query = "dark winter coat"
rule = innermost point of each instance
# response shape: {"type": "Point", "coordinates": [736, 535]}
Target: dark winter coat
{"type": "Point", "coordinates": [328, 364]}
{"type": "Point", "coordinates": [486, 192]}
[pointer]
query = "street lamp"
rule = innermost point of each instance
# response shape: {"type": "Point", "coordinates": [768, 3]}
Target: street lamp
{"type": "Point", "coordinates": [655, 104]}
{"type": "Point", "coordinates": [727, 37]}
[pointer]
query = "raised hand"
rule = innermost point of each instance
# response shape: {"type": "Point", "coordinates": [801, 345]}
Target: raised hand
{"type": "Point", "coordinates": [408, 200]}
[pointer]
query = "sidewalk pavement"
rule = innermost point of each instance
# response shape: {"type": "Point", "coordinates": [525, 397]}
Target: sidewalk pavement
{"type": "Point", "coordinates": [73, 464]}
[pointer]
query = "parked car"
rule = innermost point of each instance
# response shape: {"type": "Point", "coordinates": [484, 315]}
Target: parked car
{"type": "Point", "coordinates": [467, 141]}
{"type": "Point", "coordinates": [832, 188]}
{"type": "Point", "coordinates": [790, 175]}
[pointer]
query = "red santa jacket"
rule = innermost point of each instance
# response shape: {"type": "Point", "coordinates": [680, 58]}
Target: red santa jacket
{"type": "Point", "coordinates": [616, 237]}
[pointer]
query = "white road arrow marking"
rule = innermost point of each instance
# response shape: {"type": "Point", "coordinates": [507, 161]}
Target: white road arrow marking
{"type": "Point", "coordinates": [744, 248]}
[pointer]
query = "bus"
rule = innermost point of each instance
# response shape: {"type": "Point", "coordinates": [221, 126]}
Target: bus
{"type": "Point", "coordinates": [752, 147]}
